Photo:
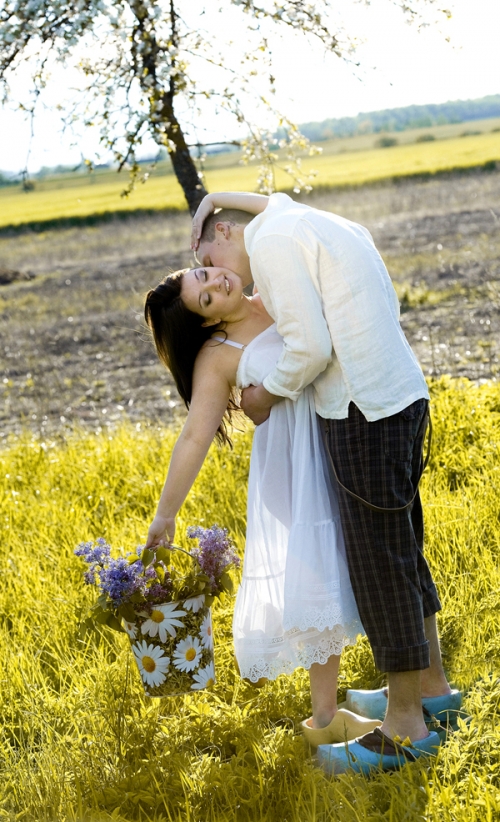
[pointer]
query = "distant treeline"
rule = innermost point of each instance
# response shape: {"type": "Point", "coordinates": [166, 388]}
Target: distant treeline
{"type": "Point", "coordinates": [401, 119]}
{"type": "Point", "coordinates": [372, 122]}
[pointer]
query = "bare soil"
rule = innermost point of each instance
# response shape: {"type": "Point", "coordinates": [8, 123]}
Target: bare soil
{"type": "Point", "coordinates": [74, 349]}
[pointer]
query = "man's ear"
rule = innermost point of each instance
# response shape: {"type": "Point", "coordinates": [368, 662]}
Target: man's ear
{"type": "Point", "coordinates": [208, 323]}
{"type": "Point", "coordinates": [223, 228]}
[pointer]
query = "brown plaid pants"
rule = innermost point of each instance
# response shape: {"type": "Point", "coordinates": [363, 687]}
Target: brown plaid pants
{"type": "Point", "coordinates": [381, 462]}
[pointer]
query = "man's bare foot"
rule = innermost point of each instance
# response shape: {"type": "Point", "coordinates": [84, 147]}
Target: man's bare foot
{"type": "Point", "coordinates": [406, 728]}
{"type": "Point", "coordinates": [433, 685]}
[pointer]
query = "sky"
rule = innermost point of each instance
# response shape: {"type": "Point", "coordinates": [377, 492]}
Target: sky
{"type": "Point", "coordinates": [399, 66]}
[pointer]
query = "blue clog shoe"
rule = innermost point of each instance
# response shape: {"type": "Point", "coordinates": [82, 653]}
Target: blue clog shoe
{"type": "Point", "coordinates": [374, 751]}
{"type": "Point", "coordinates": [373, 704]}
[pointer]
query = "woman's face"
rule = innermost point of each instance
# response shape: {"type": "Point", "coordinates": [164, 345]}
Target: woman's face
{"type": "Point", "coordinates": [214, 293]}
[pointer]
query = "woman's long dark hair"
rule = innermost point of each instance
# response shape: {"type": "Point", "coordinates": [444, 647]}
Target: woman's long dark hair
{"type": "Point", "coordinates": [178, 335]}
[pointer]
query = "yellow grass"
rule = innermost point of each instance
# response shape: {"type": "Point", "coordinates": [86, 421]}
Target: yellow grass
{"type": "Point", "coordinates": [80, 743]}
{"type": "Point", "coordinates": [93, 197]}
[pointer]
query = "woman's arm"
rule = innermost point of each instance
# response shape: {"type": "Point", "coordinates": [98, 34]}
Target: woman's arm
{"type": "Point", "coordinates": [243, 200]}
{"type": "Point", "coordinates": [211, 390]}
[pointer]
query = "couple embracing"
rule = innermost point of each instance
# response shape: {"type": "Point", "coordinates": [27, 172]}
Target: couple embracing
{"type": "Point", "coordinates": [334, 542]}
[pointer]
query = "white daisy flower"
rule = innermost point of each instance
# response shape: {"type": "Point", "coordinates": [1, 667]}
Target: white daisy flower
{"type": "Point", "coordinates": [187, 654]}
{"type": "Point", "coordinates": [194, 603]}
{"type": "Point", "coordinates": [206, 633]}
{"type": "Point", "coordinates": [130, 627]}
{"type": "Point", "coordinates": [152, 662]}
{"type": "Point", "coordinates": [204, 678]}
{"type": "Point", "coordinates": [162, 618]}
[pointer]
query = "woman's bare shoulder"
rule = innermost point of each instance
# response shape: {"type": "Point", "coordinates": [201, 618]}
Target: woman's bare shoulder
{"type": "Point", "coordinates": [219, 360]}
{"type": "Point", "coordinates": [216, 347]}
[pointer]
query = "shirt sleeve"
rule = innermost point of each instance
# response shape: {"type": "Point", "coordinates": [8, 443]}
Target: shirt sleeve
{"type": "Point", "coordinates": [289, 270]}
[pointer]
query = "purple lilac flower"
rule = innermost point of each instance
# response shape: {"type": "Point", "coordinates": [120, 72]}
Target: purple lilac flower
{"type": "Point", "coordinates": [215, 552]}
{"type": "Point", "coordinates": [98, 554]}
{"type": "Point", "coordinates": [83, 549]}
{"type": "Point", "coordinates": [159, 592]}
{"type": "Point", "coordinates": [116, 577]}
{"type": "Point", "coordinates": [89, 576]}
{"type": "Point", "coordinates": [150, 572]}
{"type": "Point", "coordinates": [120, 580]}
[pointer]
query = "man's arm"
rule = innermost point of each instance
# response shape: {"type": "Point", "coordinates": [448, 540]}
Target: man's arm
{"type": "Point", "coordinates": [256, 402]}
{"type": "Point", "coordinates": [287, 271]}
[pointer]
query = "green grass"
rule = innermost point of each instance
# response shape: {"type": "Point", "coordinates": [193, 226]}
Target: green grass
{"type": "Point", "coordinates": [80, 743]}
{"type": "Point", "coordinates": [95, 197]}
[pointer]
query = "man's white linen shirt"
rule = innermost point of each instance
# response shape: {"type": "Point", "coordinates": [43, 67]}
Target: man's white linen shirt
{"type": "Point", "coordinates": [323, 281]}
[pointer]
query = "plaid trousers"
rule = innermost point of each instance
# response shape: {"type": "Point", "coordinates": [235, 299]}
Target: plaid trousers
{"type": "Point", "coordinates": [381, 462]}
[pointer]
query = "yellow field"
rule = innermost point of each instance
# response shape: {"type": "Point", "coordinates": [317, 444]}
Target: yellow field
{"type": "Point", "coordinates": [79, 742]}
{"type": "Point", "coordinates": [93, 197]}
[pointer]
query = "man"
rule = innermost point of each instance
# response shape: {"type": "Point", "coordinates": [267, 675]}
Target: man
{"type": "Point", "coordinates": [323, 281]}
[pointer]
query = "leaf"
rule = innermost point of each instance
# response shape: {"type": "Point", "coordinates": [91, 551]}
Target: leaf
{"type": "Point", "coordinates": [147, 557]}
{"type": "Point", "coordinates": [133, 558]}
{"type": "Point", "coordinates": [95, 608]}
{"type": "Point", "coordinates": [115, 624]}
{"type": "Point", "coordinates": [127, 612]}
{"type": "Point", "coordinates": [103, 617]}
{"type": "Point", "coordinates": [227, 583]}
{"type": "Point", "coordinates": [163, 554]}
{"type": "Point", "coordinates": [160, 573]}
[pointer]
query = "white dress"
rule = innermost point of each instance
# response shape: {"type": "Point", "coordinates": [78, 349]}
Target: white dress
{"type": "Point", "coordinates": [295, 604]}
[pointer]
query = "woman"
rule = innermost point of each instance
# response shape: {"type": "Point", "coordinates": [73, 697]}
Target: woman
{"type": "Point", "coordinates": [295, 606]}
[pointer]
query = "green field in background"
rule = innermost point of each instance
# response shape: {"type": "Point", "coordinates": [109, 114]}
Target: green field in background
{"type": "Point", "coordinates": [99, 193]}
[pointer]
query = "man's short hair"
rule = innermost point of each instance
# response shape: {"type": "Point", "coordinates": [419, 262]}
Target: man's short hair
{"type": "Point", "coordinates": [235, 216]}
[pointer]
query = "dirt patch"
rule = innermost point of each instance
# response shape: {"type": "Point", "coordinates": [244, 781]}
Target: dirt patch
{"type": "Point", "coordinates": [74, 348]}
{"type": "Point", "coordinates": [9, 275]}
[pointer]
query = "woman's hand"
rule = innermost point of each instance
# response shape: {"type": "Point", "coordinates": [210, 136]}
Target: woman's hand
{"type": "Point", "coordinates": [203, 211]}
{"type": "Point", "coordinates": [243, 200]}
{"type": "Point", "coordinates": [161, 530]}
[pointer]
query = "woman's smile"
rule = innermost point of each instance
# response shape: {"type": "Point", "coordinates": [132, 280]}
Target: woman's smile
{"type": "Point", "coordinates": [212, 292]}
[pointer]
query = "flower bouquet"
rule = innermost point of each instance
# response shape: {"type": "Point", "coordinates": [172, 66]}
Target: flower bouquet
{"type": "Point", "coordinates": [164, 606]}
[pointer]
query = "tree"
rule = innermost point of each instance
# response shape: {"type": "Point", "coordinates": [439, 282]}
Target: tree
{"type": "Point", "coordinates": [141, 58]}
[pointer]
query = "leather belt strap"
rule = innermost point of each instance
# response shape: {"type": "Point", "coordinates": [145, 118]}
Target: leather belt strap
{"type": "Point", "coordinates": [426, 421]}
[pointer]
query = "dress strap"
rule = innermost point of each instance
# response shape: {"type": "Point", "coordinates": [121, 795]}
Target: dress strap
{"type": "Point", "coordinates": [229, 342]}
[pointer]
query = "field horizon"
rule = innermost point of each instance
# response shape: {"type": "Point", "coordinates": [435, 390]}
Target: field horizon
{"type": "Point", "coordinates": [76, 199]}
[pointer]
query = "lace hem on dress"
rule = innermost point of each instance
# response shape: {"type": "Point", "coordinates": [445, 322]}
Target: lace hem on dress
{"type": "Point", "coordinates": [275, 661]}
{"type": "Point", "coordinates": [299, 617]}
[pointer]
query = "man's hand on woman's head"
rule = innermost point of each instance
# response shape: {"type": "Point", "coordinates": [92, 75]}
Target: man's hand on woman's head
{"type": "Point", "coordinates": [203, 211]}
{"type": "Point", "coordinates": [161, 530]}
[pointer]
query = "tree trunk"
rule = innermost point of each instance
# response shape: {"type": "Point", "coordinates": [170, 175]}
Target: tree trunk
{"type": "Point", "coordinates": [147, 56]}
{"type": "Point", "coordinates": [184, 167]}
